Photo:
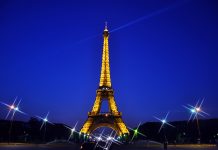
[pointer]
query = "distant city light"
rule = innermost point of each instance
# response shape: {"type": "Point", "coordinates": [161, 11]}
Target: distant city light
{"type": "Point", "coordinates": [163, 121]}
{"type": "Point", "coordinates": [196, 110]}
{"type": "Point", "coordinates": [13, 108]}
{"type": "Point", "coordinates": [99, 138]}
{"type": "Point", "coordinates": [193, 110]}
{"type": "Point", "coordinates": [16, 108]}
{"type": "Point", "coordinates": [44, 120]}
{"type": "Point", "coordinates": [109, 138]}
{"type": "Point", "coordinates": [72, 130]}
{"type": "Point", "coordinates": [136, 132]}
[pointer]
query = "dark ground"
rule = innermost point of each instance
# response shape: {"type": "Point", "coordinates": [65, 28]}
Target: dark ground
{"type": "Point", "coordinates": [128, 147]}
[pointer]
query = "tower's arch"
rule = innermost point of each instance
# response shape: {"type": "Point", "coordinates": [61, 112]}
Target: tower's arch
{"type": "Point", "coordinates": [107, 125]}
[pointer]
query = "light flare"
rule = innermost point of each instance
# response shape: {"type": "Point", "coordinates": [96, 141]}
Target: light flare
{"type": "Point", "coordinates": [196, 110]}
{"type": "Point", "coordinates": [163, 121]}
{"type": "Point", "coordinates": [136, 132]}
{"type": "Point", "coordinates": [107, 139]}
{"type": "Point", "coordinates": [72, 130]}
{"type": "Point", "coordinates": [44, 120]}
{"type": "Point", "coordinates": [13, 108]}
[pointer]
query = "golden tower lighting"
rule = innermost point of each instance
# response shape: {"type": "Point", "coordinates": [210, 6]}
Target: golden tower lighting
{"type": "Point", "coordinates": [113, 118]}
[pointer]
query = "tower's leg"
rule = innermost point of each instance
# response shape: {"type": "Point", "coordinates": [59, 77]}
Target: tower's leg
{"type": "Point", "coordinates": [121, 126]}
{"type": "Point", "coordinates": [87, 125]}
{"type": "Point", "coordinates": [97, 104]}
{"type": "Point", "coordinates": [112, 104]}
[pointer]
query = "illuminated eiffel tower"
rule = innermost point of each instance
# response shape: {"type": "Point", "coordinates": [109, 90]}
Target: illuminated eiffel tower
{"type": "Point", "coordinates": [112, 118]}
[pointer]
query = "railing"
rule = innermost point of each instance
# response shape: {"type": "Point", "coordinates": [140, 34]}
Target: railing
{"type": "Point", "coordinates": [104, 114]}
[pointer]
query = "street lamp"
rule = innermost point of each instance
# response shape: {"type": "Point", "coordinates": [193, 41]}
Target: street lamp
{"type": "Point", "coordinates": [163, 122]}
{"type": "Point", "coordinates": [195, 112]}
{"type": "Point", "coordinates": [12, 108]}
{"type": "Point", "coordinates": [136, 132]}
{"type": "Point", "coordinates": [72, 130]}
{"type": "Point", "coordinates": [44, 122]}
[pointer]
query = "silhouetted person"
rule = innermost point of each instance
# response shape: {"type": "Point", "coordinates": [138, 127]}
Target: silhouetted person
{"type": "Point", "coordinates": [165, 144]}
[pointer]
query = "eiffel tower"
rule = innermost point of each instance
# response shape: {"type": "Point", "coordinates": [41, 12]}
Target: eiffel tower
{"type": "Point", "coordinates": [112, 118]}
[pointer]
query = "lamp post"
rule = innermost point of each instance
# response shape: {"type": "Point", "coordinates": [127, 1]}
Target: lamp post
{"type": "Point", "coordinates": [136, 132]}
{"type": "Point", "coordinates": [44, 122]}
{"type": "Point", "coordinates": [163, 122]}
{"type": "Point", "coordinates": [195, 112]}
{"type": "Point", "coordinates": [72, 131]}
{"type": "Point", "coordinates": [13, 108]}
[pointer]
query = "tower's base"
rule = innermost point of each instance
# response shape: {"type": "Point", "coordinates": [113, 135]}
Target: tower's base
{"type": "Point", "coordinates": [112, 121]}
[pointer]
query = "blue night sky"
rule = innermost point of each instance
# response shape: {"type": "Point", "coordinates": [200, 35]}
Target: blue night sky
{"type": "Point", "coordinates": [163, 54]}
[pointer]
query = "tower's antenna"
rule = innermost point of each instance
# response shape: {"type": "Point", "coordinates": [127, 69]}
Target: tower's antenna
{"type": "Point", "coordinates": [105, 25]}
